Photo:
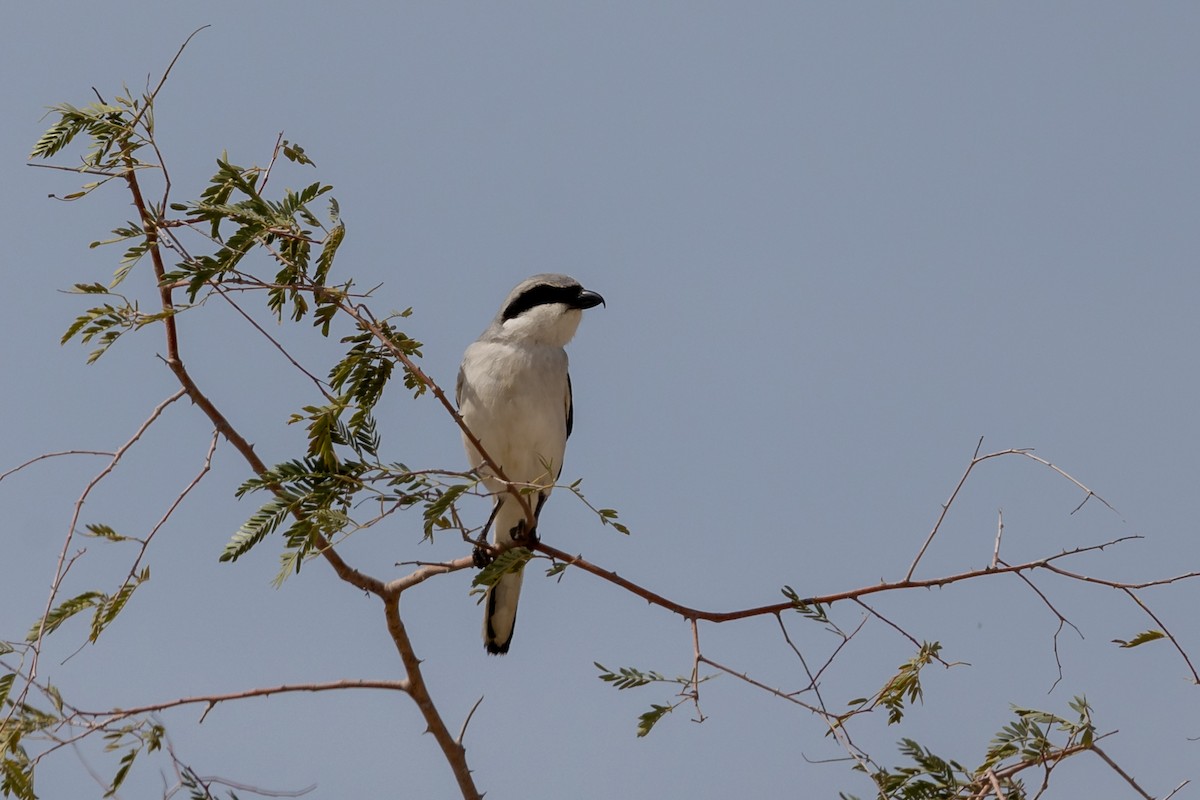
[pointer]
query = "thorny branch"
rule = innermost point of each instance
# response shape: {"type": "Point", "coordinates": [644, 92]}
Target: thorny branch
{"type": "Point", "coordinates": [976, 460]}
{"type": "Point", "coordinates": [452, 750]}
{"type": "Point", "coordinates": [64, 563]}
{"type": "Point", "coordinates": [154, 226]}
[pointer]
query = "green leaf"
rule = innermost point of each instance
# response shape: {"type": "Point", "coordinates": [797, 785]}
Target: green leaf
{"type": "Point", "coordinates": [63, 612]}
{"type": "Point", "coordinates": [264, 522]}
{"type": "Point", "coordinates": [435, 511]}
{"type": "Point", "coordinates": [295, 153]}
{"type": "Point", "coordinates": [6, 682]}
{"type": "Point", "coordinates": [1141, 638]}
{"type": "Point", "coordinates": [108, 611]}
{"type": "Point", "coordinates": [627, 677]}
{"type": "Point", "coordinates": [90, 288]}
{"type": "Point", "coordinates": [69, 125]}
{"type": "Point", "coordinates": [904, 688]}
{"type": "Point", "coordinates": [513, 560]}
{"type": "Point", "coordinates": [104, 532]}
{"type": "Point", "coordinates": [55, 697]}
{"type": "Point", "coordinates": [813, 611]}
{"type": "Point", "coordinates": [648, 720]}
{"type": "Point", "coordinates": [18, 778]}
{"type": "Point", "coordinates": [608, 516]}
{"type": "Point", "coordinates": [122, 771]}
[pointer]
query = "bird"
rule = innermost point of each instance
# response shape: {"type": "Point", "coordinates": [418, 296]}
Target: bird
{"type": "Point", "coordinates": [514, 394]}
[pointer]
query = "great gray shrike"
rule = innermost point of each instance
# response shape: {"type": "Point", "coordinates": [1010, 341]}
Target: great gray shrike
{"type": "Point", "coordinates": [514, 393]}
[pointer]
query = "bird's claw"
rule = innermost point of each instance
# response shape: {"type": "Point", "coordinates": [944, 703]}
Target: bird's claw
{"type": "Point", "coordinates": [525, 537]}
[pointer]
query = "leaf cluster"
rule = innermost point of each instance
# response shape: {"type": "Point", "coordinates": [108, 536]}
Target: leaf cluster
{"type": "Point", "coordinates": [903, 688]}
{"type": "Point", "coordinates": [105, 607]}
{"type": "Point", "coordinates": [806, 608]}
{"type": "Point", "coordinates": [1032, 739]}
{"type": "Point", "coordinates": [286, 228]}
{"type": "Point", "coordinates": [632, 678]}
{"type": "Point", "coordinates": [21, 719]}
{"type": "Point", "coordinates": [115, 132]}
{"type": "Point", "coordinates": [511, 560]}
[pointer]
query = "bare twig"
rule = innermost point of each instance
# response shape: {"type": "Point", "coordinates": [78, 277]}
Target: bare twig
{"type": "Point", "coordinates": [61, 570]}
{"type": "Point", "coordinates": [212, 448]}
{"type": "Point", "coordinates": [99, 718]}
{"type": "Point", "coordinates": [274, 155]}
{"type": "Point", "coordinates": [44, 456]}
{"type": "Point", "coordinates": [694, 692]}
{"type": "Point", "coordinates": [742, 676]}
{"type": "Point", "coordinates": [320, 384]}
{"type": "Point", "coordinates": [1166, 630]}
{"type": "Point", "coordinates": [1062, 621]}
{"type": "Point", "coordinates": [976, 460]}
{"type": "Point", "coordinates": [907, 635]}
{"type": "Point", "coordinates": [995, 782]}
{"type": "Point", "coordinates": [462, 733]}
{"type": "Point", "coordinates": [1117, 769]}
{"type": "Point", "coordinates": [999, 534]}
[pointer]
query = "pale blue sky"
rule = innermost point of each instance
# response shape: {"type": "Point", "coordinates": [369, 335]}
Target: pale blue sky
{"type": "Point", "coordinates": [838, 243]}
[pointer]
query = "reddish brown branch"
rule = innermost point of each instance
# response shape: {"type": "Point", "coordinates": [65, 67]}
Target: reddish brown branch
{"type": "Point", "coordinates": [115, 715]}
{"type": "Point", "coordinates": [727, 616]}
{"type": "Point", "coordinates": [451, 747]}
{"type": "Point", "coordinates": [414, 683]}
{"type": "Point", "coordinates": [976, 460]}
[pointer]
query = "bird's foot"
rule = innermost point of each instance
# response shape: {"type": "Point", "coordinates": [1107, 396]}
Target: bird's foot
{"type": "Point", "coordinates": [526, 538]}
{"type": "Point", "coordinates": [481, 557]}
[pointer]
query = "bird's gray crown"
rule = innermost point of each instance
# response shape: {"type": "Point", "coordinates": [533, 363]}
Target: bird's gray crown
{"type": "Point", "coordinates": [545, 289]}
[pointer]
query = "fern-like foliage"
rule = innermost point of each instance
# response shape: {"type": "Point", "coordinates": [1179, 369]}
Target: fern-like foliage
{"type": "Point", "coordinates": [512, 560]}
{"type": "Point", "coordinates": [1034, 739]}
{"type": "Point", "coordinates": [902, 689]}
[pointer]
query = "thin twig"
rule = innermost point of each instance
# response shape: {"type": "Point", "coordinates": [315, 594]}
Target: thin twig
{"type": "Point", "coordinates": [995, 785]}
{"type": "Point", "coordinates": [1166, 630]}
{"type": "Point", "coordinates": [1062, 621]}
{"type": "Point", "coordinates": [462, 733]}
{"type": "Point", "coordinates": [907, 635]}
{"type": "Point", "coordinates": [60, 570]}
{"type": "Point", "coordinates": [116, 715]}
{"type": "Point", "coordinates": [274, 155]}
{"type": "Point", "coordinates": [695, 691]}
{"type": "Point", "coordinates": [976, 460]}
{"type": "Point", "coordinates": [999, 534]}
{"type": "Point", "coordinates": [204, 470]}
{"type": "Point", "coordinates": [1117, 769]}
{"type": "Point", "coordinates": [742, 676]}
{"type": "Point", "coordinates": [44, 456]}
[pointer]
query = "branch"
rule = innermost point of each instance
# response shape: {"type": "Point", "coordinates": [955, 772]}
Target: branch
{"type": "Point", "coordinates": [63, 564]}
{"type": "Point", "coordinates": [150, 226]}
{"type": "Point", "coordinates": [976, 460]}
{"type": "Point", "coordinates": [44, 456]}
{"type": "Point", "coordinates": [1117, 769]}
{"type": "Point", "coordinates": [102, 718]}
{"type": "Point", "coordinates": [775, 608]}
{"type": "Point", "coordinates": [452, 749]}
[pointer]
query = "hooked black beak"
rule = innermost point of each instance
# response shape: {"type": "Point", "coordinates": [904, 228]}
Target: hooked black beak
{"type": "Point", "coordinates": [589, 299]}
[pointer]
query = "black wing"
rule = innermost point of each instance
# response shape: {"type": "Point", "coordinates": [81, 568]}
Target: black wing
{"type": "Point", "coordinates": [570, 408]}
